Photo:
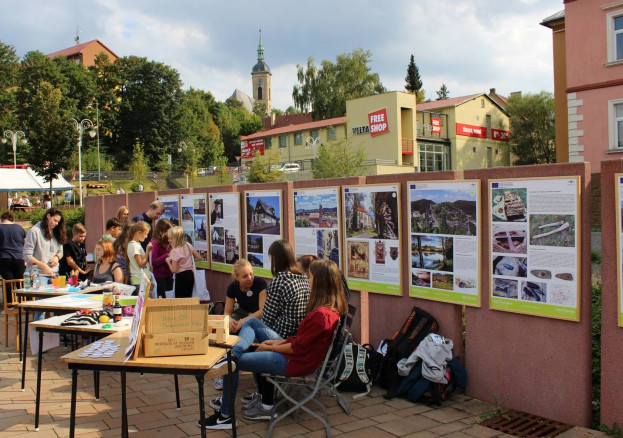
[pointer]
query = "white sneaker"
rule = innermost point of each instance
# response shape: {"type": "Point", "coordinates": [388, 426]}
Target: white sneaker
{"type": "Point", "coordinates": [218, 384]}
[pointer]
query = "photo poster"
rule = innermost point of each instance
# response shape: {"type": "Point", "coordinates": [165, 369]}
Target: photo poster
{"type": "Point", "coordinates": [262, 209]}
{"type": "Point", "coordinates": [372, 238]}
{"type": "Point", "coordinates": [444, 240]}
{"type": "Point", "coordinates": [224, 219]}
{"type": "Point", "coordinates": [171, 205]}
{"type": "Point", "coordinates": [138, 320]}
{"type": "Point", "coordinates": [317, 224]}
{"type": "Point", "coordinates": [618, 178]}
{"type": "Point", "coordinates": [195, 225]}
{"type": "Point", "coordinates": [534, 249]}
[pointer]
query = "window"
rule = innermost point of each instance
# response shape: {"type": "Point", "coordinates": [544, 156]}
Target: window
{"type": "Point", "coordinates": [298, 138]}
{"type": "Point", "coordinates": [267, 143]}
{"type": "Point", "coordinates": [433, 157]}
{"type": "Point", "coordinates": [259, 93]}
{"type": "Point", "coordinates": [283, 141]}
{"type": "Point", "coordinates": [331, 134]}
{"type": "Point", "coordinates": [616, 124]}
{"type": "Point", "coordinates": [488, 121]}
{"type": "Point", "coordinates": [482, 103]}
{"type": "Point", "coordinates": [615, 36]}
{"type": "Point", "coordinates": [314, 134]}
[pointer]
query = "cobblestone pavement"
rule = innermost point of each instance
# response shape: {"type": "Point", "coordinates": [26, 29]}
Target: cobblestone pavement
{"type": "Point", "coordinates": [152, 412]}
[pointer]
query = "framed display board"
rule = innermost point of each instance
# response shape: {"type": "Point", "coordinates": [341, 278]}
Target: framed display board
{"type": "Point", "coordinates": [618, 190]}
{"type": "Point", "coordinates": [171, 205]}
{"type": "Point", "coordinates": [195, 225]}
{"type": "Point", "coordinates": [372, 237]}
{"type": "Point", "coordinates": [534, 247]}
{"type": "Point", "coordinates": [444, 231]}
{"type": "Point", "coordinates": [317, 223]}
{"type": "Point", "coordinates": [138, 320]}
{"type": "Point", "coordinates": [224, 220]}
{"type": "Point", "coordinates": [262, 211]}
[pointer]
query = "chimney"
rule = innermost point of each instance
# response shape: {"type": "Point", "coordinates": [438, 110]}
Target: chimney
{"type": "Point", "coordinates": [491, 91]}
{"type": "Point", "coordinates": [515, 93]}
{"type": "Point", "coordinates": [273, 119]}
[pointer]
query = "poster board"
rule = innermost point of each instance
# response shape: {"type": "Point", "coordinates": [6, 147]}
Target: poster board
{"type": "Point", "coordinates": [171, 205]}
{"type": "Point", "coordinates": [618, 192]}
{"type": "Point", "coordinates": [444, 237]}
{"type": "Point", "coordinates": [224, 217]}
{"type": "Point", "coordinates": [534, 246]}
{"type": "Point", "coordinates": [263, 212]}
{"type": "Point", "coordinates": [372, 237]}
{"type": "Point", "coordinates": [138, 320]}
{"type": "Point", "coordinates": [195, 225]}
{"type": "Point", "coordinates": [317, 223]}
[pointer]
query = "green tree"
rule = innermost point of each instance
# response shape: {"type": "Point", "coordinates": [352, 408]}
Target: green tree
{"type": "Point", "coordinates": [339, 158]}
{"type": "Point", "coordinates": [443, 92]}
{"type": "Point", "coordinates": [414, 82]}
{"type": "Point", "coordinates": [325, 90]}
{"type": "Point", "coordinates": [260, 109]}
{"type": "Point", "coordinates": [139, 165]}
{"type": "Point", "coordinates": [532, 128]}
{"type": "Point", "coordinates": [52, 137]}
{"type": "Point", "coordinates": [262, 168]}
{"type": "Point", "coordinates": [9, 67]}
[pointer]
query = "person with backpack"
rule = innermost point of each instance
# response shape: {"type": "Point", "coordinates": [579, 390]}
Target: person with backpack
{"type": "Point", "coordinates": [295, 356]}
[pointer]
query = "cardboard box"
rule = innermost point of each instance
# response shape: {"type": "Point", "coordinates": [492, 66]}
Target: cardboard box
{"type": "Point", "coordinates": [175, 327]}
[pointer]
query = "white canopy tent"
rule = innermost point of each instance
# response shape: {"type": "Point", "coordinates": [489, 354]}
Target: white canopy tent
{"type": "Point", "coordinates": [19, 180]}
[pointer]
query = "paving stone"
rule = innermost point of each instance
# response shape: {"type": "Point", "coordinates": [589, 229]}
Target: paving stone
{"type": "Point", "coordinates": [408, 425]}
{"type": "Point", "coordinates": [445, 415]}
{"type": "Point", "coordinates": [448, 428]}
{"type": "Point", "coordinates": [481, 431]}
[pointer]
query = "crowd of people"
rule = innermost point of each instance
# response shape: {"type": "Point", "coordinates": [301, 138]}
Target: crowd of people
{"type": "Point", "coordinates": [285, 327]}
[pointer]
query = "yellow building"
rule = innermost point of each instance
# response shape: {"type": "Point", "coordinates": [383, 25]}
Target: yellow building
{"type": "Point", "coordinates": [460, 133]}
{"type": "Point", "coordinates": [85, 53]}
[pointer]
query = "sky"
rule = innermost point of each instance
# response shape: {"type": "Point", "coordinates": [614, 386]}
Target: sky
{"type": "Point", "coordinates": [469, 45]}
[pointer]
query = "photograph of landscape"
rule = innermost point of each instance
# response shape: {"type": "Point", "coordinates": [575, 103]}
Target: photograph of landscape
{"type": "Point", "coordinates": [444, 212]}
{"type": "Point", "coordinates": [315, 210]}
{"type": "Point", "coordinates": [432, 252]}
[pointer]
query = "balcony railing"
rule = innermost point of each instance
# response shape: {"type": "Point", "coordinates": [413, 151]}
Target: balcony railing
{"type": "Point", "coordinates": [407, 146]}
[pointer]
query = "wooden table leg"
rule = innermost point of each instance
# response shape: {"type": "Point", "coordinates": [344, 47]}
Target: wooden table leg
{"type": "Point", "coordinates": [25, 345]}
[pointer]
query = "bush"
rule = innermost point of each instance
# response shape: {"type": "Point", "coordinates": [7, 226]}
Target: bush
{"type": "Point", "coordinates": [72, 217]}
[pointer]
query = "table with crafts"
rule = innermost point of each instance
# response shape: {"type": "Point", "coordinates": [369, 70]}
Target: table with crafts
{"type": "Point", "coordinates": [54, 325]}
{"type": "Point", "coordinates": [88, 358]}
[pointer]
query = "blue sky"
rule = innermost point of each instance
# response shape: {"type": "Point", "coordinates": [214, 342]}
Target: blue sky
{"type": "Point", "coordinates": [305, 202]}
{"type": "Point", "coordinates": [439, 196]}
{"type": "Point", "coordinates": [470, 45]}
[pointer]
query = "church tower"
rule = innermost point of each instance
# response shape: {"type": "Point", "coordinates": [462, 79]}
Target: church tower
{"type": "Point", "coordinates": [260, 79]}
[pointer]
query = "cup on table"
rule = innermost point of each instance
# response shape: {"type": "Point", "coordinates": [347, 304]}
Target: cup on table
{"type": "Point", "coordinates": [62, 281]}
{"type": "Point", "coordinates": [56, 282]}
{"type": "Point", "coordinates": [44, 280]}
{"type": "Point", "coordinates": [74, 280]}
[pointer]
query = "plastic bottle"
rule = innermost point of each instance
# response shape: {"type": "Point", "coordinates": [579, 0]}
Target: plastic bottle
{"type": "Point", "coordinates": [35, 278]}
{"type": "Point", "coordinates": [27, 281]}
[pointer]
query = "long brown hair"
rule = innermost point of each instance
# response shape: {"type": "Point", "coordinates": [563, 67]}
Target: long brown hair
{"type": "Point", "coordinates": [326, 289]}
{"type": "Point", "coordinates": [160, 232]}
{"type": "Point", "coordinates": [121, 242]}
{"type": "Point", "coordinates": [59, 232]}
{"type": "Point", "coordinates": [282, 257]}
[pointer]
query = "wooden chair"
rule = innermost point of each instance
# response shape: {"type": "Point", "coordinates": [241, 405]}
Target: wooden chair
{"type": "Point", "coordinates": [11, 303]}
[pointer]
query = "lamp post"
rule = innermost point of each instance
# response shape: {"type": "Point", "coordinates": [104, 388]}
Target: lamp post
{"type": "Point", "coordinates": [97, 123]}
{"type": "Point", "coordinates": [80, 127]}
{"type": "Point", "coordinates": [14, 136]}
{"type": "Point", "coordinates": [312, 142]}
{"type": "Point", "coordinates": [182, 147]}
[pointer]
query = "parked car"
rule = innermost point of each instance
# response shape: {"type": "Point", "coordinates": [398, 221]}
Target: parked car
{"type": "Point", "coordinates": [290, 167]}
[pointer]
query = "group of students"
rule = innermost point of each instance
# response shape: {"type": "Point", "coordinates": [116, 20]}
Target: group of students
{"type": "Point", "coordinates": [285, 328]}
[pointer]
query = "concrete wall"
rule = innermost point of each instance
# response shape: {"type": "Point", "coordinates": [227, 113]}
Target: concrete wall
{"type": "Point", "coordinates": [538, 365]}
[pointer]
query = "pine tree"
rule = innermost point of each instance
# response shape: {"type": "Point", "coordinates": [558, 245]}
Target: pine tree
{"type": "Point", "coordinates": [443, 92]}
{"type": "Point", "coordinates": [413, 80]}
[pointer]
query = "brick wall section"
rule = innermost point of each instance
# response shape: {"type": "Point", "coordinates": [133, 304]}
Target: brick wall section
{"type": "Point", "coordinates": [596, 200]}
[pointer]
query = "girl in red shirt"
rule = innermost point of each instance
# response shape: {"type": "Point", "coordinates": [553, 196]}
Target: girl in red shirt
{"type": "Point", "coordinates": [298, 355]}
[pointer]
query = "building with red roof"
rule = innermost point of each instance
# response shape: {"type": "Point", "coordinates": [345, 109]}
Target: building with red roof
{"type": "Point", "coordinates": [85, 53]}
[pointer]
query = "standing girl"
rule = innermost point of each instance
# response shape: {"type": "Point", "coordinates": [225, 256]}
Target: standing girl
{"type": "Point", "coordinates": [159, 252]}
{"type": "Point", "coordinates": [123, 214]}
{"type": "Point", "coordinates": [138, 258]}
{"type": "Point", "coordinates": [121, 249]}
{"type": "Point", "coordinates": [180, 262]}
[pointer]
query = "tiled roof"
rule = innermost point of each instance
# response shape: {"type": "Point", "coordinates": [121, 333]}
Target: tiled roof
{"type": "Point", "coordinates": [77, 49]}
{"type": "Point", "coordinates": [294, 128]}
{"type": "Point", "coordinates": [445, 103]}
{"type": "Point", "coordinates": [554, 17]}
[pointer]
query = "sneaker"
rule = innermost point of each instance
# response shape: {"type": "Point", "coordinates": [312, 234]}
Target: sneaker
{"type": "Point", "coordinates": [218, 383]}
{"type": "Point", "coordinates": [216, 403]}
{"type": "Point", "coordinates": [257, 400]}
{"type": "Point", "coordinates": [257, 412]}
{"type": "Point", "coordinates": [247, 399]}
{"type": "Point", "coordinates": [216, 421]}
{"type": "Point", "coordinates": [222, 361]}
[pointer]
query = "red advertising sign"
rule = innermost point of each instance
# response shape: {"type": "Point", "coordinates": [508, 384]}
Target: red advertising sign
{"type": "Point", "coordinates": [377, 121]}
{"type": "Point", "coordinates": [248, 147]}
{"type": "Point", "coordinates": [436, 124]}
{"type": "Point", "coordinates": [471, 130]}
{"type": "Point", "coordinates": [500, 134]}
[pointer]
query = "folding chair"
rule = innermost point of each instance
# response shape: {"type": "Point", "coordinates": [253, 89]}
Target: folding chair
{"type": "Point", "coordinates": [299, 391]}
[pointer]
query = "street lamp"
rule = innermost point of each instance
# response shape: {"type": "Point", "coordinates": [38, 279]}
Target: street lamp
{"type": "Point", "coordinates": [97, 123]}
{"type": "Point", "coordinates": [14, 136]}
{"type": "Point", "coordinates": [312, 142]}
{"type": "Point", "coordinates": [80, 127]}
{"type": "Point", "coordinates": [182, 147]}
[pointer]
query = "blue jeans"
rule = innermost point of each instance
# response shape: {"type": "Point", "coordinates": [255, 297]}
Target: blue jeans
{"type": "Point", "coordinates": [253, 331]}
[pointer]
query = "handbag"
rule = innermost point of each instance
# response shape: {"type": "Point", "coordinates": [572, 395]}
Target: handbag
{"type": "Point", "coordinates": [200, 288]}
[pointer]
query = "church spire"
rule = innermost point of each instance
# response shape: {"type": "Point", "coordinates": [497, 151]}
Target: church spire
{"type": "Point", "coordinates": [260, 48]}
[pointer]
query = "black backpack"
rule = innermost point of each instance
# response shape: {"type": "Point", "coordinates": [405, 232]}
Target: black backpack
{"type": "Point", "coordinates": [417, 326]}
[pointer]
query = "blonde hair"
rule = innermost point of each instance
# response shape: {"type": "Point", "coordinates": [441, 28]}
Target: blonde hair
{"type": "Point", "coordinates": [138, 227]}
{"type": "Point", "coordinates": [177, 233]}
{"type": "Point", "coordinates": [239, 265]}
{"type": "Point", "coordinates": [121, 211]}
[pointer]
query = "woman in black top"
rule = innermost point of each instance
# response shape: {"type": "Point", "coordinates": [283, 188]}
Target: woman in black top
{"type": "Point", "coordinates": [248, 291]}
{"type": "Point", "coordinates": [12, 238]}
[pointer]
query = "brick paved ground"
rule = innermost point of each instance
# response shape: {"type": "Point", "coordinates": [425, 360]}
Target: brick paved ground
{"type": "Point", "coordinates": [152, 412]}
